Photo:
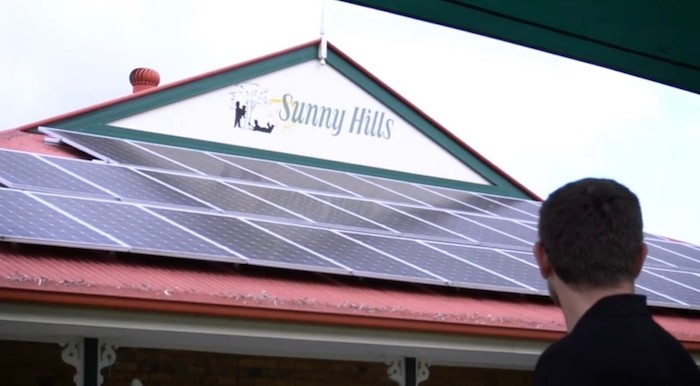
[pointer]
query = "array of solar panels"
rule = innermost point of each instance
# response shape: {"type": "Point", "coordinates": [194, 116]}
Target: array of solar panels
{"type": "Point", "coordinates": [146, 198]}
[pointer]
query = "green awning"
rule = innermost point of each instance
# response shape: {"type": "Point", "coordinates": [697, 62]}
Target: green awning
{"type": "Point", "coordinates": [651, 39]}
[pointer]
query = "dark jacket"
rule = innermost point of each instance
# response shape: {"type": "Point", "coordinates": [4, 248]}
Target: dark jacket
{"type": "Point", "coordinates": [616, 342]}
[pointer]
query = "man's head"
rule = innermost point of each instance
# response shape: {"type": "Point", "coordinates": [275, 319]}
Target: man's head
{"type": "Point", "coordinates": [591, 234]}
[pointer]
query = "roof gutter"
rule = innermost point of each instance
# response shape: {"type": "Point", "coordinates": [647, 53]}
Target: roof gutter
{"type": "Point", "coordinates": [280, 315]}
{"type": "Point", "coordinates": [270, 314]}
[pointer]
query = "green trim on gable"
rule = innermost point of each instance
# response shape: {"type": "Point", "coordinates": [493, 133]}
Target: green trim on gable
{"type": "Point", "coordinates": [217, 147]}
{"type": "Point", "coordinates": [418, 121]}
{"type": "Point", "coordinates": [97, 122]}
{"type": "Point", "coordinates": [189, 90]}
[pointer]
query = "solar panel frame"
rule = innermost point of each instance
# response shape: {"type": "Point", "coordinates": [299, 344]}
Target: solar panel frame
{"type": "Point", "coordinates": [315, 210]}
{"type": "Point", "coordinates": [677, 295]}
{"type": "Point", "coordinates": [671, 257]}
{"type": "Point", "coordinates": [206, 163]}
{"type": "Point", "coordinates": [418, 193]}
{"type": "Point", "coordinates": [114, 150]}
{"type": "Point", "coordinates": [139, 229]}
{"type": "Point", "coordinates": [456, 272]}
{"type": "Point", "coordinates": [528, 206]}
{"type": "Point", "coordinates": [480, 202]}
{"type": "Point", "coordinates": [44, 176]}
{"type": "Point", "coordinates": [336, 245]}
{"type": "Point", "coordinates": [282, 174]}
{"type": "Point", "coordinates": [128, 184]}
{"type": "Point", "coordinates": [52, 227]}
{"type": "Point", "coordinates": [400, 223]}
{"type": "Point", "coordinates": [250, 241]}
{"type": "Point", "coordinates": [688, 280]}
{"type": "Point", "coordinates": [476, 256]}
{"type": "Point", "coordinates": [356, 186]}
{"type": "Point", "coordinates": [505, 226]}
{"type": "Point", "coordinates": [222, 196]}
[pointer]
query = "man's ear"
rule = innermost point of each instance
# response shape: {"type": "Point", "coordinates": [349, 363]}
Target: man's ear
{"type": "Point", "coordinates": [641, 257]}
{"type": "Point", "coordinates": [543, 260]}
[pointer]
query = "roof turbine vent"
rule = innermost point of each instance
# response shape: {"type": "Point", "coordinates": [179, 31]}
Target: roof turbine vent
{"type": "Point", "coordinates": [144, 79]}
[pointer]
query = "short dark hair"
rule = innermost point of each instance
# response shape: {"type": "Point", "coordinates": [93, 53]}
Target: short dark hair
{"type": "Point", "coordinates": [591, 230]}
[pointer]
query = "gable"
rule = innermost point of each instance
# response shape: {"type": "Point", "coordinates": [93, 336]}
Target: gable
{"type": "Point", "coordinates": [380, 133]}
{"type": "Point", "coordinates": [311, 110]}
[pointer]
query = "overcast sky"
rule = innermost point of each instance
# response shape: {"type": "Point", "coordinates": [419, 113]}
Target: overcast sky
{"type": "Point", "coordinates": [543, 119]}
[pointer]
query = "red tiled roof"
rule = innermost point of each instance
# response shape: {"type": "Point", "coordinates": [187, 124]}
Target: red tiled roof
{"type": "Point", "coordinates": [67, 276]}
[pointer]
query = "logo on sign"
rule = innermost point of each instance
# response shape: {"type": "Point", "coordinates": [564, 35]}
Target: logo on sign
{"type": "Point", "coordinates": [254, 111]}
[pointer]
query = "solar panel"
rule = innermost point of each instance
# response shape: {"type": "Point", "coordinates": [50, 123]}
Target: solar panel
{"type": "Point", "coordinates": [363, 261]}
{"type": "Point", "coordinates": [522, 276]}
{"type": "Point", "coordinates": [222, 196]}
{"type": "Point", "coordinates": [484, 204]}
{"type": "Point", "coordinates": [311, 208]}
{"type": "Point", "coordinates": [474, 231]}
{"type": "Point", "coordinates": [126, 183]}
{"type": "Point", "coordinates": [357, 186]}
{"type": "Point", "coordinates": [421, 195]}
{"type": "Point", "coordinates": [205, 163]}
{"type": "Point", "coordinates": [140, 230]}
{"type": "Point", "coordinates": [300, 217]}
{"type": "Point", "coordinates": [26, 171]}
{"type": "Point", "coordinates": [255, 244]}
{"type": "Point", "coordinates": [528, 206]}
{"type": "Point", "coordinates": [393, 219]}
{"type": "Point", "coordinates": [669, 292]}
{"type": "Point", "coordinates": [458, 272]}
{"type": "Point", "coordinates": [692, 253]}
{"type": "Point", "coordinates": [525, 234]}
{"type": "Point", "coordinates": [27, 220]}
{"type": "Point", "coordinates": [671, 257]}
{"type": "Point", "coordinates": [280, 173]}
{"type": "Point", "coordinates": [115, 150]}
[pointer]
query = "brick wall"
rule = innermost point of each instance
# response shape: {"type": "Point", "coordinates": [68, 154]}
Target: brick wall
{"type": "Point", "coordinates": [35, 364]}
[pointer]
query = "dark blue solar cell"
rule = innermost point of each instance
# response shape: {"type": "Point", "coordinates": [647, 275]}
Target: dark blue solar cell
{"type": "Point", "coordinates": [650, 279]}
{"type": "Point", "coordinates": [260, 246]}
{"type": "Point", "coordinates": [456, 271]}
{"type": "Point", "coordinates": [27, 220]}
{"type": "Point", "coordinates": [420, 194]}
{"type": "Point", "coordinates": [484, 204]}
{"type": "Point", "coordinates": [672, 257]}
{"type": "Point", "coordinates": [117, 150]}
{"type": "Point", "coordinates": [310, 207]}
{"type": "Point", "coordinates": [283, 174]}
{"type": "Point", "coordinates": [469, 228]}
{"type": "Point", "coordinates": [357, 186]}
{"type": "Point", "coordinates": [25, 171]}
{"type": "Point", "coordinates": [515, 270]}
{"type": "Point", "coordinates": [205, 163]}
{"type": "Point", "coordinates": [529, 206]}
{"type": "Point", "coordinates": [141, 230]}
{"type": "Point", "coordinates": [362, 260]}
{"type": "Point", "coordinates": [222, 196]}
{"type": "Point", "coordinates": [523, 232]}
{"type": "Point", "coordinates": [532, 278]}
{"type": "Point", "coordinates": [127, 184]}
{"type": "Point", "coordinates": [391, 218]}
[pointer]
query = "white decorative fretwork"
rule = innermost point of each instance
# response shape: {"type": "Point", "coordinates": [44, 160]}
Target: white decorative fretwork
{"type": "Point", "coordinates": [73, 354]}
